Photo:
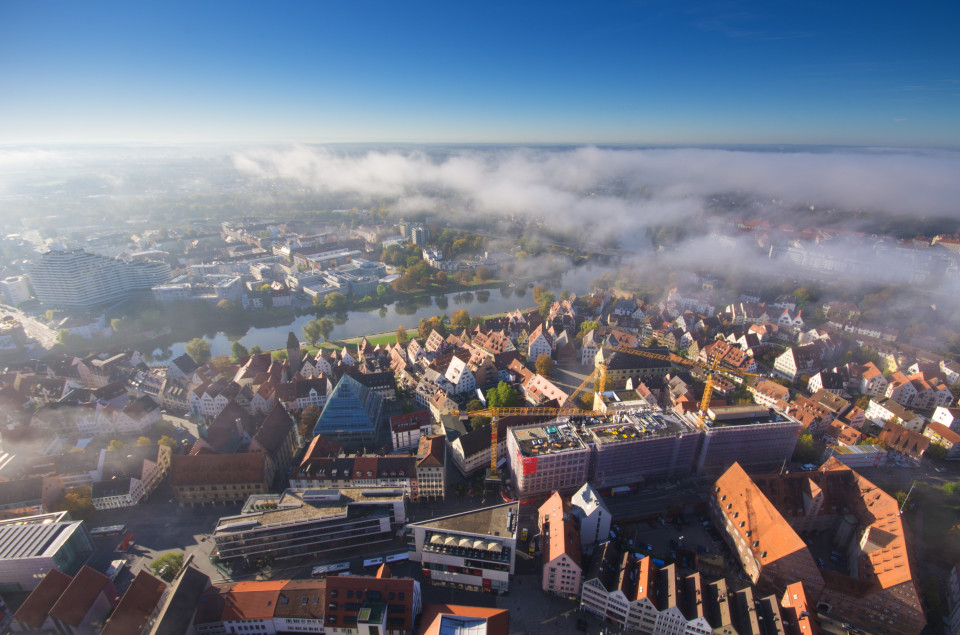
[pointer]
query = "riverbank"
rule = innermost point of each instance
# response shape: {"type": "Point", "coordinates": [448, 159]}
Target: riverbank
{"type": "Point", "coordinates": [387, 337]}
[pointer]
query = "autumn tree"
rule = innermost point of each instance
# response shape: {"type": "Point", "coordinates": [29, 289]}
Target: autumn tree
{"type": "Point", "coordinates": [198, 349]}
{"type": "Point", "coordinates": [77, 502]}
{"type": "Point", "coordinates": [544, 365]}
{"type": "Point", "coordinates": [116, 445]}
{"type": "Point", "coordinates": [167, 441]}
{"type": "Point", "coordinates": [537, 292]}
{"type": "Point", "coordinates": [221, 364]}
{"type": "Point", "coordinates": [143, 441]}
{"type": "Point", "coordinates": [483, 274]}
{"type": "Point", "coordinates": [402, 336]}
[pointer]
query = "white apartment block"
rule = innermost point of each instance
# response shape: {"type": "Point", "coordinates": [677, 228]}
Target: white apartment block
{"type": "Point", "coordinates": [77, 279]}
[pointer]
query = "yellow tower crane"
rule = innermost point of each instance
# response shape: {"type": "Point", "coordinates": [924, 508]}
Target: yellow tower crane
{"type": "Point", "coordinates": [600, 372]}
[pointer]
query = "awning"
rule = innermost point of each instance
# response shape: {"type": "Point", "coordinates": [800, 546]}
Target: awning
{"type": "Point", "coordinates": [436, 539]}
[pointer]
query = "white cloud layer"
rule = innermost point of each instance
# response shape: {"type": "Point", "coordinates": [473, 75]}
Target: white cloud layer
{"type": "Point", "coordinates": [660, 184]}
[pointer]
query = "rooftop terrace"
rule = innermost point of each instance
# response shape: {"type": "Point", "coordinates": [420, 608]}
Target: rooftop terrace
{"type": "Point", "coordinates": [552, 438]}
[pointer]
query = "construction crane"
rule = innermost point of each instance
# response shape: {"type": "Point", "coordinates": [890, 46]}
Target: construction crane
{"type": "Point", "coordinates": [600, 372]}
{"type": "Point", "coordinates": [712, 370]}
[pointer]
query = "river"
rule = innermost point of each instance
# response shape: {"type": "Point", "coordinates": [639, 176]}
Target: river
{"type": "Point", "coordinates": [404, 312]}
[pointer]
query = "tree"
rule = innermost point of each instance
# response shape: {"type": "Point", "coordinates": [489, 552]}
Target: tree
{"type": "Point", "coordinates": [381, 290]}
{"type": "Point", "coordinates": [143, 441]}
{"type": "Point", "coordinates": [402, 336]}
{"type": "Point", "coordinates": [167, 441]}
{"type": "Point", "coordinates": [168, 565]}
{"type": "Point", "coordinates": [807, 450]}
{"type": "Point", "coordinates": [478, 422]}
{"type": "Point", "coordinates": [503, 395]}
{"type": "Point", "coordinates": [335, 301]}
{"type": "Point", "coordinates": [198, 349]}
{"type": "Point", "coordinates": [116, 445]}
{"type": "Point", "coordinates": [537, 292]}
{"type": "Point", "coordinates": [544, 365]}
{"type": "Point", "coordinates": [255, 350]}
{"type": "Point", "coordinates": [326, 327]}
{"type": "Point", "coordinates": [483, 274]}
{"type": "Point", "coordinates": [239, 351]}
{"type": "Point", "coordinates": [460, 319]}
{"type": "Point", "coordinates": [936, 452]}
{"type": "Point", "coordinates": [546, 301]}
{"type": "Point", "coordinates": [281, 355]}
{"type": "Point", "coordinates": [423, 328]}
{"type": "Point", "coordinates": [475, 404]}
{"type": "Point", "coordinates": [227, 306]}
{"type": "Point", "coordinates": [586, 326]}
{"type": "Point", "coordinates": [123, 325]}
{"type": "Point", "coordinates": [311, 331]}
{"type": "Point", "coordinates": [307, 420]}
{"type": "Point", "coordinates": [221, 364]}
{"type": "Point", "coordinates": [77, 502]}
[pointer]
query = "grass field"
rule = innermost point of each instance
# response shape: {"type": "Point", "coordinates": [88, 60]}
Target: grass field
{"type": "Point", "coordinates": [941, 522]}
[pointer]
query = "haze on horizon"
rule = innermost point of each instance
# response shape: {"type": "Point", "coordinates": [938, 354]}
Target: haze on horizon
{"type": "Point", "coordinates": [642, 72]}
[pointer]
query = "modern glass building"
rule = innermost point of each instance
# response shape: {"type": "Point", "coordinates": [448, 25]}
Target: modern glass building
{"type": "Point", "coordinates": [351, 415]}
{"type": "Point", "coordinates": [31, 546]}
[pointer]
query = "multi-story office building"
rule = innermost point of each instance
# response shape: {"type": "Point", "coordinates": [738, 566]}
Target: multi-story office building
{"type": "Point", "coordinates": [629, 448]}
{"type": "Point", "coordinates": [79, 280]}
{"type": "Point", "coordinates": [307, 522]}
{"type": "Point", "coordinates": [319, 470]}
{"type": "Point", "coordinates": [31, 546]}
{"type": "Point", "coordinates": [546, 458]}
{"type": "Point", "coordinates": [15, 289]}
{"type": "Point", "coordinates": [757, 438]}
{"type": "Point", "coordinates": [475, 550]}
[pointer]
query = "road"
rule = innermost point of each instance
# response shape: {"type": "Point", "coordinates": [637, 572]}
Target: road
{"type": "Point", "coordinates": [44, 335]}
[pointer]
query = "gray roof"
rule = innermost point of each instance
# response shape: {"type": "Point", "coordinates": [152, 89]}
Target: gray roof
{"type": "Point", "coordinates": [19, 539]}
{"type": "Point", "coordinates": [182, 600]}
{"type": "Point", "coordinates": [489, 521]}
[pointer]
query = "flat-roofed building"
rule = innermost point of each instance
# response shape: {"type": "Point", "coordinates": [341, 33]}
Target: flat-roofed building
{"type": "Point", "coordinates": [635, 447]}
{"type": "Point", "coordinates": [757, 439]}
{"type": "Point", "coordinates": [308, 522]}
{"type": "Point", "coordinates": [546, 457]}
{"type": "Point", "coordinates": [859, 455]}
{"type": "Point", "coordinates": [32, 545]}
{"type": "Point", "coordinates": [475, 550]}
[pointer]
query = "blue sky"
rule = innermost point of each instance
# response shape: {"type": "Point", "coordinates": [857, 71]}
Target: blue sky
{"type": "Point", "coordinates": [645, 72]}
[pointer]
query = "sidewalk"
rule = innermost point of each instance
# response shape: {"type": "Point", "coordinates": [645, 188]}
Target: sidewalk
{"type": "Point", "coordinates": [533, 611]}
